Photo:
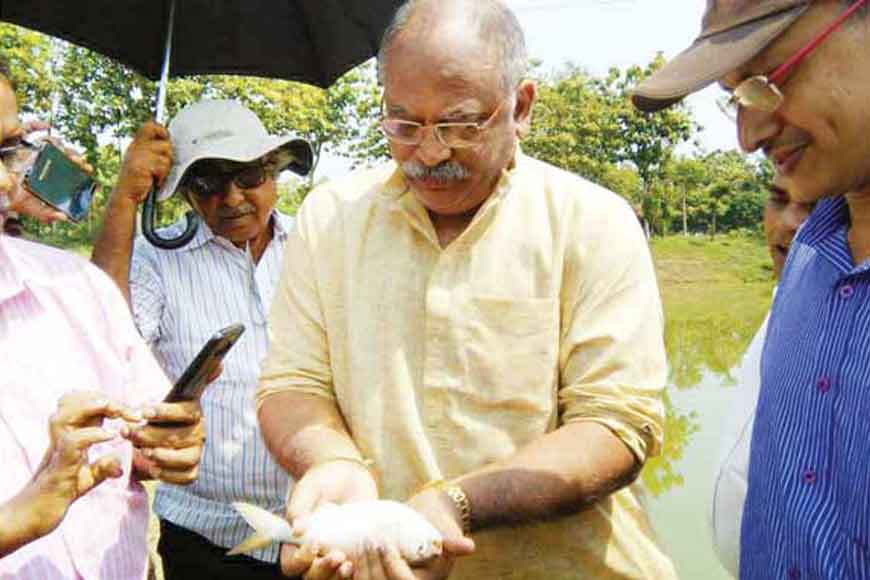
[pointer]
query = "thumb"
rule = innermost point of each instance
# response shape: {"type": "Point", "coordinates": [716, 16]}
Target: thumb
{"type": "Point", "coordinates": [302, 503]}
{"type": "Point", "coordinates": [102, 469]}
{"type": "Point", "coordinates": [458, 545]}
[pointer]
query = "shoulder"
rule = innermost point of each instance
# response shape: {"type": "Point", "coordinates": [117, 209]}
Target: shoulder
{"type": "Point", "coordinates": [577, 201]}
{"type": "Point", "coordinates": [356, 185]}
{"type": "Point", "coordinates": [49, 265]}
{"type": "Point", "coordinates": [355, 193]}
{"type": "Point", "coordinates": [70, 274]}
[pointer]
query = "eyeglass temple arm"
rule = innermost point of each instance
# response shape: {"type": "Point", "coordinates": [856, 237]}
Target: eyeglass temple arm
{"type": "Point", "coordinates": [776, 75]}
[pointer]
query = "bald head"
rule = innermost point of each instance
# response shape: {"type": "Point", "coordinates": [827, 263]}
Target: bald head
{"type": "Point", "coordinates": [484, 30]}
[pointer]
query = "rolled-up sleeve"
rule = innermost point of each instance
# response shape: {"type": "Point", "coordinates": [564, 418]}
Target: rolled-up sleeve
{"type": "Point", "coordinates": [298, 357]}
{"type": "Point", "coordinates": [612, 358]}
{"type": "Point", "coordinates": [147, 293]}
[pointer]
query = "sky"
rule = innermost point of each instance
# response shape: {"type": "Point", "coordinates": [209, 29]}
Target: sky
{"type": "Point", "coordinates": [600, 34]}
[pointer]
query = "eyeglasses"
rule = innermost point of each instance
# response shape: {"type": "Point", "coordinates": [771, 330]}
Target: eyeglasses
{"type": "Point", "coordinates": [452, 135]}
{"type": "Point", "coordinates": [209, 181]}
{"type": "Point", "coordinates": [761, 92]}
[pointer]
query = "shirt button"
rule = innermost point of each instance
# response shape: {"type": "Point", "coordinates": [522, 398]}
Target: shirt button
{"type": "Point", "coordinates": [847, 291]}
{"type": "Point", "coordinates": [823, 384]}
{"type": "Point", "coordinates": [809, 476]}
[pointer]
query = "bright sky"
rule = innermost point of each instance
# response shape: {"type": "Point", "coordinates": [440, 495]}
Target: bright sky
{"type": "Point", "coordinates": [600, 34]}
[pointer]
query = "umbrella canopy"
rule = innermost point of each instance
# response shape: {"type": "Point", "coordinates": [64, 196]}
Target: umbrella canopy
{"type": "Point", "coordinates": [310, 41]}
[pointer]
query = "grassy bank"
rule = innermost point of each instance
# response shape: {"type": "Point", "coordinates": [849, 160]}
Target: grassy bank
{"type": "Point", "coordinates": [715, 294]}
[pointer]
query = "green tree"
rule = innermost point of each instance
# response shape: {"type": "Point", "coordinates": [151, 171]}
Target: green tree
{"type": "Point", "coordinates": [29, 56]}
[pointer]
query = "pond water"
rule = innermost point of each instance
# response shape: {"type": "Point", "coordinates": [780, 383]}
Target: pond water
{"type": "Point", "coordinates": [708, 328]}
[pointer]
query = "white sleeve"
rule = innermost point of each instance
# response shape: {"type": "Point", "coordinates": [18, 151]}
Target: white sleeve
{"type": "Point", "coordinates": [732, 469]}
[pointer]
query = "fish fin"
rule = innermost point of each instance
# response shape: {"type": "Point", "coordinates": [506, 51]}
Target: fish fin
{"type": "Point", "coordinates": [253, 542]}
{"type": "Point", "coordinates": [268, 528]}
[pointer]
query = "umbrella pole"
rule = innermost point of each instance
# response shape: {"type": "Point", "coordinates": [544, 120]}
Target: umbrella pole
{"type": "Point", "coordinates": [160, 114]}
{"type": "Point", "coordinates": [149, 208]}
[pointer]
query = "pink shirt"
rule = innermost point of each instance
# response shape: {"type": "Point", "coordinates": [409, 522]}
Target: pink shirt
{"type": "Point", "coordinates": [64, 326]}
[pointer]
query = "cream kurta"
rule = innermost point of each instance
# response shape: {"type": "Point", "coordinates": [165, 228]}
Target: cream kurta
{"type": "Point", "coordinates": [543, 312]}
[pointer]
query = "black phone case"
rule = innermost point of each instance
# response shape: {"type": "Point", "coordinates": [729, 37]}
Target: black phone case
{"type": "Point", "coordinates": [192, 383]}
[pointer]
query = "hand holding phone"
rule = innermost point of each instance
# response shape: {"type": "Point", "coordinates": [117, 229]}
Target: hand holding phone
{"type": "Point", "coordinates": [53, 184]}
{"type": "Point", "coordinates": [60, 182]}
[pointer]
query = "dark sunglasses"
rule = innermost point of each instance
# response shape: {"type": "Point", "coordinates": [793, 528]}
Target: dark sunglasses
{"type": "Point", "coordinates": [206, 182]}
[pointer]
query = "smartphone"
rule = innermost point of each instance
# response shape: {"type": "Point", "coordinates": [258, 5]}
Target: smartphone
{"type": "Point", "coordinates": [60, 183]}
{"type": "Point", "coordinates": [194, 380]}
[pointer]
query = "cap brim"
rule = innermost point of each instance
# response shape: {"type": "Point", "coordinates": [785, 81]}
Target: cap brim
{"type": "Point", "coordinates": [709, 59]}
{"type": "Point", "coordinates": [299, 160]}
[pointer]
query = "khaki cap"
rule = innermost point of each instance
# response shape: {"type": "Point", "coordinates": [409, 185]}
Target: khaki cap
{"type": "Point", "coordinates": [733, 32]}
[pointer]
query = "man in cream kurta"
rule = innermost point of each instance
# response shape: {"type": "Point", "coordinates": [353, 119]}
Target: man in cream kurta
{"type": "Point", "coordinates": [544, 312]}
{"type": "Point", "coordinates": [516, 359]}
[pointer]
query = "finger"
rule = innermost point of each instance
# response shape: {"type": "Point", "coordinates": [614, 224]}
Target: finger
{"type": "Point", "coordinates": [345, 570]}
{"type": "Point", "coordinates": [302, 502]}
{"type": "Point", "coordinates": [394, 565]}
{"type": "Point", "coordinates": [458, 545]}
{"type": "Point", "coordinates": [153, 436]}
{"type": "Point", "coordinates": [187, 412]}
{"type": "Point", "coordinates": [161, 149]}
{"type": "Point", "coordinates": [35, 126]}
{"type": "Point", "coordinates": [175, 476]}
{"type": "Point", "coordinates": [25, 203]}
{"type": "Point", "coordinates": [295, 561]}
{"type": "Point", "coordinates": [372, 568]}
{"type": "Point", "coordinates": [104, 468]}
{"type": "Point", "coordinates": [81, 408]}
{"type": "Point", "coordinates": [90, 476]}
{"type": "Point", "coordinates": [179, 459]}
{"type": "Point", "coordinates": [326, 568]}
{"type": "Point", "coordinates": [153, 130]}
{"type": "Point", "coordinates": [82, 438]}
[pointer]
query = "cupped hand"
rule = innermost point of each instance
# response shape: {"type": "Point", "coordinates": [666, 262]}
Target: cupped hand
{"type": "Point", "coordinates": [335, 482]}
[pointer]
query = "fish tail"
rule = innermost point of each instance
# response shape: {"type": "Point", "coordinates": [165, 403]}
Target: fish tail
{"type": "Point", "coordinates": [267, 526]}
{"type": "Point", "coordinates": [253, 542]}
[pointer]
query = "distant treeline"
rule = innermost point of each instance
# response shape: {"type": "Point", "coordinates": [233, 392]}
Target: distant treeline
{"type": "Point", "coordinates": [581, 123]}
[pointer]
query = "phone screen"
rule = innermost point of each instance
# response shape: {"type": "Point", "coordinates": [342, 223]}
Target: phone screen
{"type": "Point", "coordinates": [59, 182]}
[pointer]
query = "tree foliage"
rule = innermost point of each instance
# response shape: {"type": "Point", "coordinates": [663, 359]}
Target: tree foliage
{"type": "Point", "coordinates": [582, 123]}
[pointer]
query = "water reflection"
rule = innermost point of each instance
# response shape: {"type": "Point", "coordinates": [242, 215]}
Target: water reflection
{"type": "Point", "coordinates": [708, 329]}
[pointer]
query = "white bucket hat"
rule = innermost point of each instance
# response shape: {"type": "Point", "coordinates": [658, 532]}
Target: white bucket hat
{"type": "Point", "coordinates": [223, 129]}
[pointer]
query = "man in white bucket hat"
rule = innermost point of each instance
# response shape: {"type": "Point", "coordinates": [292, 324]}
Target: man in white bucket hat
{"type": "Point", "coordinates": [221, 158]}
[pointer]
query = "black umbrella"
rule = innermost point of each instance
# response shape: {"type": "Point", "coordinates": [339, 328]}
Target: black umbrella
{"type": "Point", "coordinates": [310, 41]}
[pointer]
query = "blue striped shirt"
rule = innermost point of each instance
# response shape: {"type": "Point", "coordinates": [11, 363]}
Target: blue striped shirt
{"type": "Point", "coordinates": [807, 513]}
{"type": "Point", "coordinates": [180, 298]}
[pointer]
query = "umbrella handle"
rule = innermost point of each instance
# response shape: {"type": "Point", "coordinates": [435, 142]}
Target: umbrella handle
{"type": "Point", "coordinates": [149, 226]}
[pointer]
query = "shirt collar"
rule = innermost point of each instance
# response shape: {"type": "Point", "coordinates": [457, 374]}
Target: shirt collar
{"type": "Point", "coordinates": [402, 199]}
{"type": "Point", "coordinates": [282, 224]}
{"type": "Point", "coordinates": [826, 231]}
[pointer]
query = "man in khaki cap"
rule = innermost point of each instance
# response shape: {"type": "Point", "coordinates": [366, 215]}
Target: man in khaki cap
{"type": "Point", "coordinates": [799, 89]}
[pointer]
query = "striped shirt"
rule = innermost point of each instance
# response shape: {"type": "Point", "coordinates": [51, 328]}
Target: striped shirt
{"type": "Point", "coordinates": [181, 298]}
{"type": "Point", "coordinates": [64, 326]}
{"type": "Point", "coordinates": [807, 512]}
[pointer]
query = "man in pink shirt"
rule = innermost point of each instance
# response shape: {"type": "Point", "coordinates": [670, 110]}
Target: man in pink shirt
{"type": "Point", "coordinates": [79, 396]}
